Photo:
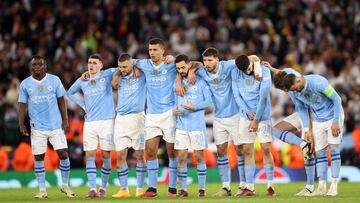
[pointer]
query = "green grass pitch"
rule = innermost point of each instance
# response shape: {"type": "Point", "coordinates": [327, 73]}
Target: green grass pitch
{"type": "Point", "coordinates": [348, 192]}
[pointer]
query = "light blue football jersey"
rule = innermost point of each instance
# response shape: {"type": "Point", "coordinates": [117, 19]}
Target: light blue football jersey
{"type": "Point", "coordinates": [131, 95]}
{"type": "Point", "coordinates": [41, 97]}
{"type": "Point", "coordinates": [199, 95]}
{"type": "Point", "coordinates": [159, 85]}
{"type": "Point", "coordinates": [221, 89]}
{"type": "Point", "coordinates": [252, 95]}
{"type": "Point", "coordinates": [98, 96]}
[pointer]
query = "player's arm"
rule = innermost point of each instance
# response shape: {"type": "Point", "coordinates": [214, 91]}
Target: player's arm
{"type": "Point", "coordinates": [272, 69]}
{"type": "Point", "coordinates": [60, 94]}
{"type": "Point", "coordinates": [207, 102]}
{"type": "Point", "coordinates": [176, 110]}
{"type": "Point", "coordinates": [265, 85]}
{"type": "Point", "coordinates": [71, 94]}
{"type": "Point", "coordinates": [330, 93]}
{"type": "Point", "coordinates": [23, 100]}
{"type": "Point", "coordinates": [236, 92]}
{"type": "Point", "coordinates": [257, 69]}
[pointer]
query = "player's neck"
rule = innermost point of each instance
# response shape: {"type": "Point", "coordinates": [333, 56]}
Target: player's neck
{"type": "Point", "coordinates": [95, 74]}
{"type": "Point", "coordinates": [39, 77]}
{"type": "Point", "coordinates": [157, 63]}
{"type": "Point", "coordinates": [216, 69]}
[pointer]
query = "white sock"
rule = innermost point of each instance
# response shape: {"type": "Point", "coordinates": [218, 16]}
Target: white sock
{"type": "Point", "coordinates": [226, 185]}
{"type": "Point", "coordinates": [310, 187]}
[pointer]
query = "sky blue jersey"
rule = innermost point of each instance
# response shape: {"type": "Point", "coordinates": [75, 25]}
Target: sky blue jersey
{"type": "Point", "coordinates": [321, 97]}
{"type": "Point", "coordinates": [159, 84]}
{"type": "Point", "coordinates": [221, 89]}
{"type": "Point", "coordinates": [252, 95]}
{"type": "Point", "coordinates": [199, 95]}
{"type": "Point", "coordinates": [98, 97]}
{"type": "Point", "coordinates": [41, 97]}
{"type": "Point", "coordinates": [131, 95]}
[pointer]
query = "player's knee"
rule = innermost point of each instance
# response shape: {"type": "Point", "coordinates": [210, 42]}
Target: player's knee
{"type": "Point", "coordinates": [266, 150]}
{"type": "Point", "coordinates": [248, 150]}
{"type": "Point", "coordinates": [140, 157]}
{"type": "Point", "coordinates": [239, 150]}
{"type": "Point", "coordinates": [105, 154]}
{"type": "Point", "coordinates": [222, 150]}
{"type": "Point", "coordinates": [62, 153]}
{"type": "Point", "coordinates": [39, 157]}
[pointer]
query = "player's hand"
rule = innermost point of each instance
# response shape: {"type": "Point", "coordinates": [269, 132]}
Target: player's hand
{"type": "Point", "coordinates": [115, 83]}
{"type": "Point", "coordinates": [179, 88]}
{"type": "Point", "coordinates": [23, 130]}
{"type": "Point", "coordinates": [335, 129]}
{"type": "Point", "coordinates": [267, 64]}
{"type": "Point", "coordinates": [168, 59]}
{"type": "Point", "coordinates": [309, 136]}
{"type": "Point", "coordinates": [65, 126]}
{"type": "Point", "coordinates": [191, 76]}
{"type": "Point", "coordinates": [85, 75]}
{"type": "Point", "coordinates": [137, 72]}
{"type": "Point", "coordinates": [254, 125]}
{"type": "Point", "coordinates": [188, 105]}
{"type": "Point", "coordinates": [251, 115]}
{"type": "Point", "coordinates": [177, 112]}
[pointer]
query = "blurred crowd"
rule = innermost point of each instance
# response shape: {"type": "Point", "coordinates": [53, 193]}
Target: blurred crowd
{"type": "Point", "coordinates": [311, 36]}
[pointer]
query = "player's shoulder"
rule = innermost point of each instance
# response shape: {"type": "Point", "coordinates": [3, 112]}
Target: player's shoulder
{"type": "Point", "coordinates": [315, 78]}
{"type": "Point", "coordinates": [26, 81]}
{"type": "Point", "coordinates": [52, 77]}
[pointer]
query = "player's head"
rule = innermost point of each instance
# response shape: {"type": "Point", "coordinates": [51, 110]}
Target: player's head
{"type": "Point", "coordinates": [95, 64]}
{"type": "Point", "coordinates": [244, 64]}
{"type": "Point", "coordinates": [182, 63]}
{"type": "Point", "coordinates": [37, 66]}
{"type": "Point", "coordinates": [211, 58]}
{"type": "Point", "coordinates": [156, 49]}
{"type": "Point", "coordinates": [278, 80]}
{"type": "Point", "coordinates": [293, 83]}
{"type": "Point", "coordinates": [125, 64]}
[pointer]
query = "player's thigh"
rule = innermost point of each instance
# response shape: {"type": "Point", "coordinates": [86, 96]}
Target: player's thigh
{"type": "Point", "coordinates": [320, 134]}
{"type": "Point", "coordinates": [182, 140]}
{"type": "Point", "coordinates": [264, 132]}
{"type": "Point", "coordinates": [245, 137]}
{"type": "Point", "coordinates": [90, 137]}
{"type": "Point", "coordinates": [58, 139]}
{"type": "Point", "coordinates": [39, 141]}
{"type": "Point", "coordinates": [197, 140]}
{"type": "Point", "coordinates": [221, 135]}
{"type": "Point", "coordinates": [167, 126]}
{"type": "Point", "coordinates": [335, 140]}
{"type": "Point", "coordinates": [105, 131]}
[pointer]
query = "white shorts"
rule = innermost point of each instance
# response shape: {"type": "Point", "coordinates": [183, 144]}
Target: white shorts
{"type": "Point", "coordinates": [295, 120]}
{"type": "Point", "coordinates": [129, 131]}
{"type": "Point", "coordinates": [39, 140]}
{"type": "Point", "coordinates": [263, 133]}
{"type": "Point", "coordinates": [99, 132]}
{"type": "Point", "coordinates": [323, 135]}
{"type": "Point", "coordinates": [226, 129]}
{"type": "Point", "coordinates": [194, 140]}
{"type": "Point", "coordinates": [160, 124]}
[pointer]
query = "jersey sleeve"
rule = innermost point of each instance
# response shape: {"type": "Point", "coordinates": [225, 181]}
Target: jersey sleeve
{"type": "Point", "coordinates": [140, 63]}
{"type": "Point", "coordinates": [23, 95]}
{"type": "Point", "coordinates": [109, 72]}
{"type": "Point", "coordinates": [60, 90]}
{"type": "Point", "coordinates": [207, 102]}
{"type": "Point", "coordinates": [265, 85]}
{"type": "Point", "coordinates": [71, 93]}
{"type": "Point", "coordinates": [238, 98]}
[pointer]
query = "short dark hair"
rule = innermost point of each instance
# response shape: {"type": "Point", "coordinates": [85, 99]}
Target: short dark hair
{"type": "Point", "coordinates": [182, 57]}
{"type": "Point", "coordinates": [211, 51]}
{"type": "Point", "coordinates": [37, 57]}
{"type": "Point", "coordinates": [124, 57]}
{"type": "Point", "coordinates": [158, 41]}
{"type": "Point", "coordinates": [242, 62]}
{"type": "Point", "coordinates": [289, 80]}
{"type": "Point", "coordinates": [278, 79]}
{"type": "Point", "coordinates": [96, 56]}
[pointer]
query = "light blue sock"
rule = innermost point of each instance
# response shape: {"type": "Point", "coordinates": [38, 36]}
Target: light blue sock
{"type": "Point", "coordinates": [123, 172]}
{"type": "Point", "coordinates": [140, 174]}
{"type": "Point", "coordinates": [201, 172]}
{"type": "Point", "coordinates": [39, 170]}
{"type": "Point", "coordinates": [153, 167]}
{"type": "Point", "coordinates": [105, 171]}
{"type": "Point", "coordinates": [321, 164]}
{"type": "Point", "coordinates": [65, 170]}
{"type": "Point", "coordinates": [182, 175]}
{"type": "Point", "coordinates": [173, 172]}
{"type": "Point", "coordinates": [310, 170]}
{"type": "Point", "coordinates": [224, 170]}
{"type": "Point", "coordinates": [241, 168]}
{"type": "Point", "coordinates": [250, 173]}
{"type": "Point", "coordinates": [335, 161]}
{"type": "Point", "coordinates": [91, 171]}
{"type": "Point", "coordinates": [269, 170]}
{"type": "Point", "coordinates": [287, 137]}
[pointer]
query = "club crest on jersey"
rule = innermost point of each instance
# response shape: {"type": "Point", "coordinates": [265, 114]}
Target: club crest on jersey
{"type": "Point", "coordinates": [195, 87]}
{"type": "Point", "coordinates": [186, 88]}
{"type": "Point", "coordinates": [247, 81]}
{"type": "Point", "coordinates": [163, 72]}
{"type": "Point", "coordinates": [93, 82]}
{"type": "Point", "coordinates": [50, 88]}
{"type": "Point", "coordinates": [155, 72]}
{"type": "Point", "coordinates": [40, 88]}
{"type": "Point", "coordinates": [307, 96]}
{"type": "Point", "coordinates": [102, 80]}
{"type": "Point", "coordinates": [127, 81]}
{"type": "Point", "coordinates": [216, 81]}
{"type": "Point", "coordinates": [223, 76]}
